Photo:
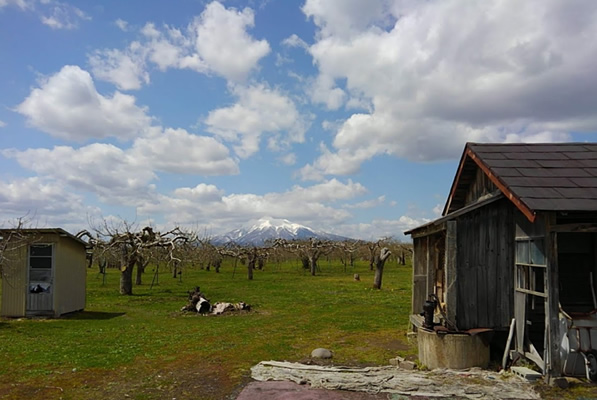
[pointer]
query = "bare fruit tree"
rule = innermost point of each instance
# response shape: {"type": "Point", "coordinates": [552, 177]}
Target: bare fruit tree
{"type": "Point", "coordinates": [135, 247]}
{"type": "Point", "coordinates": [250, 256]}
{"type": "Point", "coordinates": [309, 251]}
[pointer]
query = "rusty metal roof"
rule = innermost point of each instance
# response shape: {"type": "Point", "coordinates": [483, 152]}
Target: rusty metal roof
{"type": "Point", "coordinates": [535, 177]}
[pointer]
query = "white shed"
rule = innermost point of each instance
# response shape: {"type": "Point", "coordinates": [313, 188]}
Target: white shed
{"type": "Point", "coordinates": [46, 276]}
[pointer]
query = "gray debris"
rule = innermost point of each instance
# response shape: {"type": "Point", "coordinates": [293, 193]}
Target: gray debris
{"type": "Point", "coordinates": [474, 383]}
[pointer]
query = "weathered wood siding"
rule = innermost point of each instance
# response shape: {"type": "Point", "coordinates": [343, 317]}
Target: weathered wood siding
{"type": "Point", "coordinates": [420, 261]}
{"type": "Point", "coordinates": [481, 186]}
{"type": "Point", "coordinates": [485, 263]}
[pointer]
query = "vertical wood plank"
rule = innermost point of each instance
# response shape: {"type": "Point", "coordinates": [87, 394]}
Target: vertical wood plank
{"type": "Point", "coordinates": [554, 369]}
{"type": "Point", "coordinates": [484, 227]}
{"type": "Point", "coordinates": [419, 290]}
{"type": "Point", "coordinates": [451, 272]}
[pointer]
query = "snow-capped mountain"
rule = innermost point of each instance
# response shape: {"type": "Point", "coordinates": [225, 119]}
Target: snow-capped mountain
{"type": "Point", "coordinates": [272, 228]}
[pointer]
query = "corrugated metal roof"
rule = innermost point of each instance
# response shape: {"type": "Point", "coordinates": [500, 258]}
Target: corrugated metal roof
{"type": "Point", "coordinates": [556, 176]}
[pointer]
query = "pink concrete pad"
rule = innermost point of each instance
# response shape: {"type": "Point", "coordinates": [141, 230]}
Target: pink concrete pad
{"type": "Point", "coordinates": [282, 390]}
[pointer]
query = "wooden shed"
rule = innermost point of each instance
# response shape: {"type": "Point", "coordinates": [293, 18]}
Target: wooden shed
{"type": "Point", "coordinates": [45, 276]}
{"type": "Point", "coordinates": [517, 240]}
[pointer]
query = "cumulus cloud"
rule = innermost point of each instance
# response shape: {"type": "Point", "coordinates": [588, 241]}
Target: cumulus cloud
{"type": "Point", "coordinates": [126, 69]}
{"type": "Point", "coordinates": [382, 228]}
{"type": "Point", "coordinates": [120, 176]}
{"type": "Point", "coordinates": [177, 151]}
{"type": "Point", "coordinates": [98, 168]}
{"type": "Point", "coordinates": [368, 203]}
{"type": "Point", "coordinates": [345, 17]}
{"type": "Point", "coordinates": [48, 203]}
{"type": "Point", "coordinates": [222, 41]}
{"type": "Point", "coordinates": [215, 42]}
{"type": "Point", "coordinates": [68, 106]}
{"type": "Point", "coordinates": [259, 110]}
{"type": "Point", "coordinates": [433, 75]}
{"type": "Point", "coordinates": [207, 203]}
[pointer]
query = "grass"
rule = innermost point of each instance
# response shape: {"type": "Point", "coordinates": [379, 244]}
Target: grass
{"type": "Point", "coordinates": [143, 347]}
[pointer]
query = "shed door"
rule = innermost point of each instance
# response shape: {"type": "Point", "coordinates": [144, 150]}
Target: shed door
{"type": "Point", "coordinates": [40, 290]}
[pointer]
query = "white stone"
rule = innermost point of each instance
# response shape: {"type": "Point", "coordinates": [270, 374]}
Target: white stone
{"type": "Point", "coordinates": [321, 353]}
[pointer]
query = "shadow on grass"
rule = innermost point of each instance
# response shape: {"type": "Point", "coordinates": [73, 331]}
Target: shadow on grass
{"type": "Point", "coordinates": [95, 315]}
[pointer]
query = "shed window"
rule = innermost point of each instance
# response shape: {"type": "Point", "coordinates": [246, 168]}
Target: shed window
{"type": "Point", "coordinates": [40, 256]}
{"type": "Point", "coordinates": [530, 266]}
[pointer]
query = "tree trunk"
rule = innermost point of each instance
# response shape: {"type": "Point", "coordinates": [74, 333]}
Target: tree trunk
{"type": "Point", "coordinates": [175, 270]}
{"type": "Point", "coordinates": [126, 278]}
{"type": "Point", "coordinates": [305, 262]}
{"type": "Point", "coordinates": [141, 265]}
{"type": "Point", "coordinates": [379, 263]}
{"type": "Point", "coordinates": [250, 267]}
{"type": "Point", "coordinates": [313, 264]}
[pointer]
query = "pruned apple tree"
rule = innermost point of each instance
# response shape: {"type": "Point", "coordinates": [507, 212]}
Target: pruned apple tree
{"type": "Point", "coordinates": [135, 247]}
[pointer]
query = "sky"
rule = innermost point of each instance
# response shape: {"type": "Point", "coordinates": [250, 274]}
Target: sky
{"type": "Point", "coordinates": [347, 116]}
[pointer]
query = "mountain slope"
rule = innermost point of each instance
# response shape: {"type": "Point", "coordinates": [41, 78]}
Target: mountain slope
{"type": "Point", "coordinates": [269, 229]}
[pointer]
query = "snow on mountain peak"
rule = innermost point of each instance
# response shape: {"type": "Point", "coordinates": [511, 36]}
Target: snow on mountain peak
{"type": "Point", "coordinates": [268, 228]}
{"type": "Point", "coordinates": [278, 224]}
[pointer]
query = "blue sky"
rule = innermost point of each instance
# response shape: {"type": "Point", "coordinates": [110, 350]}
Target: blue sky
{"type": "Point", "coordinates": [348, 116]}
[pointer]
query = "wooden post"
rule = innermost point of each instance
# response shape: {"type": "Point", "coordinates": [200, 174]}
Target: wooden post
{"type": "Point", "coordinates": [552, 308]}
{"type": "Point", "coordinates": [451, 289]}
{"type": "Point", "coordinates": [429, 268]}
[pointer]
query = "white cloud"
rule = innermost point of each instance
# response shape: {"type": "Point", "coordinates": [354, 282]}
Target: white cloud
{"type": "Point", "coordinates": [122, 24]}
{"type": "Point", "coordinates": [22, 4]}
{"type": "Point", "coordinates": [207, 204]}
{"type": "Point", "coordinates": [68, 106]}
{"type": "Point", "coordinates": [433, 75]}
{"type": "Point", "coordinates": [178, 151]}
{"type": "Point", "coordinates": [215, 42]}
{"type": "Point", "coordinates": [120, 176]}
{"type": "Point", "coordinates": [2, 124]}
{"type": "Point", "coordinates": [344, 17]}
{"type": "Point", "coordinates": [103, 169]}
{"type": "Point", "coordinates": [45, 201]}
{"type": "Point", "coordinates": [368, 203]}
{"type": "Point", "coordinates": [63, 16]}
{"type": "Point", "coordinates": [223, 42]}
{"type": "Point", "coordinates": [288, 159]}
{"type": "Point", "coordinates": [259, 110]}
{"type": "Point", "coordinates": [126, 69]}
{"type": "Point", "coordinates": [295, 41]}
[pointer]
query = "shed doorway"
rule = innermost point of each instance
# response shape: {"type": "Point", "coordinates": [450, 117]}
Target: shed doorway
{"type": "Point", "coordinates": [40, 291]}
{"type": "Point", "coordinates": [576, 260]}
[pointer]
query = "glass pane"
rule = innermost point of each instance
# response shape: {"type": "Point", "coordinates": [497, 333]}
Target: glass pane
{"type": "Point", "coordinates": [40, 275]}
{"type": "Point", "coordinates": [41, 250]}
{"type": "Point", "coordinates": [539, 280]}
{"type": "Point", "coordinates": [522, 252]}
{"type": "Point", "coordinates": [537, 253]}
{"type": "Point", "coordinates": [41, 262]}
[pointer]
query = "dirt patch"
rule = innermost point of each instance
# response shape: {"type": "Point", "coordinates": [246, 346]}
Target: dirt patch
{"type": "Point", "coordinates": [184, 378]}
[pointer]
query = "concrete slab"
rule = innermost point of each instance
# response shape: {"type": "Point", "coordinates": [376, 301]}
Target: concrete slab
{"type": "Point", "coordinates": [283, 390]}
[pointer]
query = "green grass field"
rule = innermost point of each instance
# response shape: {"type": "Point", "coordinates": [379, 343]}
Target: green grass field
{"type": "Point", "coordinates": [144, 347]}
